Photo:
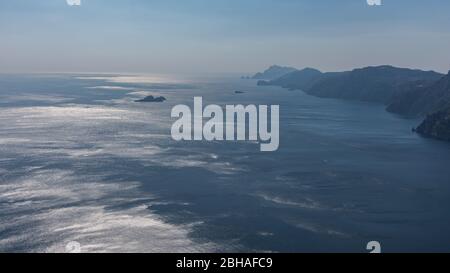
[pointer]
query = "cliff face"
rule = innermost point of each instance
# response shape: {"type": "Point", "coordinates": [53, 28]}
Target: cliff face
{"type": "Point", "coordinates": [436, 125]}
{"type": "Point", "coordinates": [423, 100]}
{"type": "Point", "coordinates": [405, 91]}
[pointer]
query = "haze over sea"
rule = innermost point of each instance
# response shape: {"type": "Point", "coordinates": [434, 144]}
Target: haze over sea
{"type": "Point", "coordinates": [82, 161]}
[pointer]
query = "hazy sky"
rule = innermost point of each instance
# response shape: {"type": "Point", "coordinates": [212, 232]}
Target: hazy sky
{"type": "Point", "coordinates": [168, 36]}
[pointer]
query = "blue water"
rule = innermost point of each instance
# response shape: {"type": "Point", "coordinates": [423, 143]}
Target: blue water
{"type": "Point", "coordinates": [90, 165]}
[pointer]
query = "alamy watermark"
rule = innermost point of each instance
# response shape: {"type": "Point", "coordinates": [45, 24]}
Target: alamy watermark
{"type": "Point", "coordinates": [73, 247]}
{"type": "Point", "coordinates": [230, 126]}
{"type": "Point", "coordinates": [73, 2]}
{"type": "Point", "coordinates": [374, 247]}
{"type": "Point", "coordinates": [374, 2]}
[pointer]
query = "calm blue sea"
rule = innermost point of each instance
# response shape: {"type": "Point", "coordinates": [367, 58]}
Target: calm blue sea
{"type": "Point", "coordinates": [81, 161]}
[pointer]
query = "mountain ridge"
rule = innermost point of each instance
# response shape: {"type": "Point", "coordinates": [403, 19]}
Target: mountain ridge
{"type": "Point", "coordinates": [404, 91]}
{"type": "Point", "coordinates": [273, 72]}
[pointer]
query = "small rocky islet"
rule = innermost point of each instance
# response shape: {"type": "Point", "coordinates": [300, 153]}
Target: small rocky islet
{"type": "Point", "coordinates": [152, 99]}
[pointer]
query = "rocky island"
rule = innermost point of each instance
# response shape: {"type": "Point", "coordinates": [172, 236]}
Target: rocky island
{"type": "Point", "coordinates": [152, 99]}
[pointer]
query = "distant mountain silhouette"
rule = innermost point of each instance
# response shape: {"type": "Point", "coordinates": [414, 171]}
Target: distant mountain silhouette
{"type": "Point", "coordinates": [273, 72]}
{"type": "Point", "coordinates": [404, 91]}
{"type": "Point", "coordinates": [377, 84]}
{"type": "Point", "coordinates": [299, 79]}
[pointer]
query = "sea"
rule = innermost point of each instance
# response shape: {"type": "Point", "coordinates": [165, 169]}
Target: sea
{"type": "Point", "coordinates": [81, 161]}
